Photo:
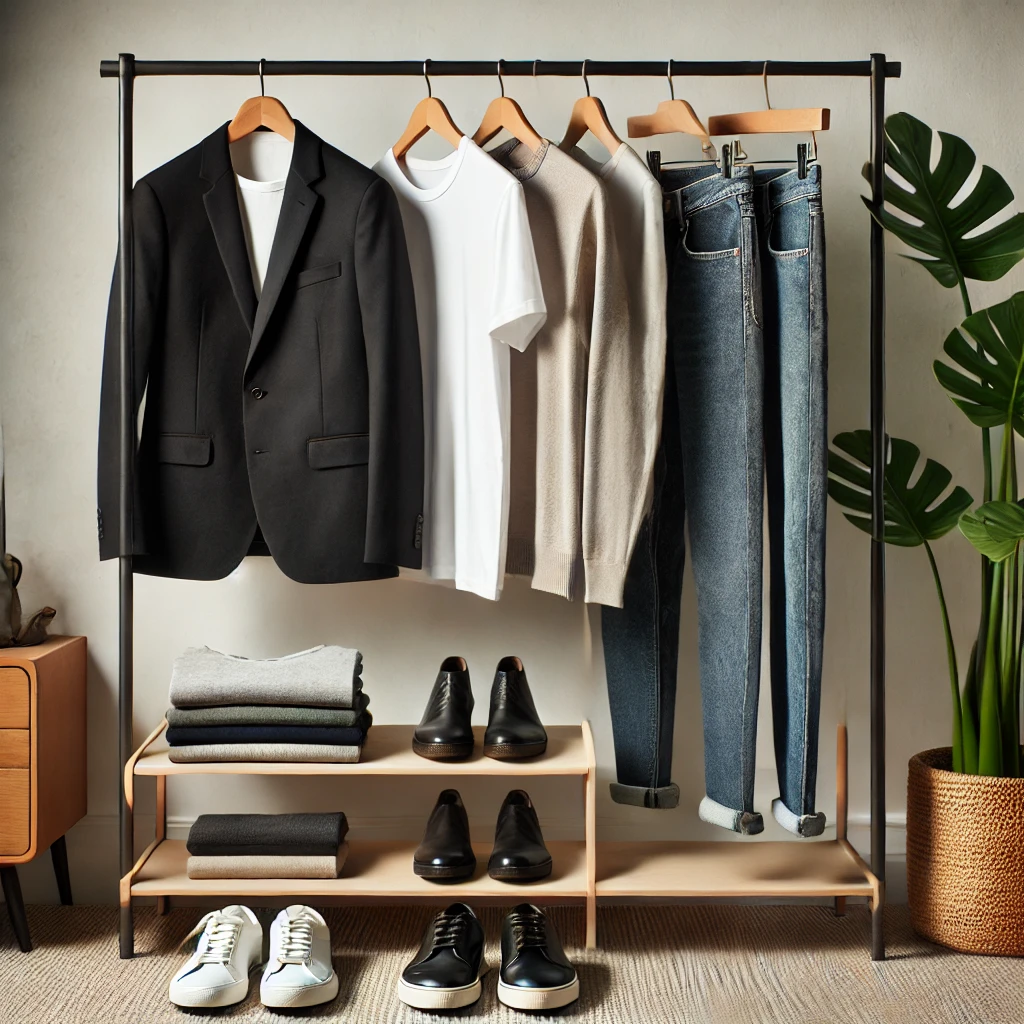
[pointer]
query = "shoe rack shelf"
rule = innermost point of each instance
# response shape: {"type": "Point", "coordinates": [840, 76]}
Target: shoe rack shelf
{"type": "Point", "coordinates": [373, 868]}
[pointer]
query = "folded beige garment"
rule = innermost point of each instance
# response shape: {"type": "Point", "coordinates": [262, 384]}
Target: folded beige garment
{"type": "Point", "coordinates": [267, 866]}
{"type": "Point", "coordinates": [320, 753]}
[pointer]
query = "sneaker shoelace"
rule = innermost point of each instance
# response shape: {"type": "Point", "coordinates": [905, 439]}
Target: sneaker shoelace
{"type": "Point", "coordinates": [221, 935]}
{"type": "Point", "coordinates": [527, 929]}
{"type": "Point", "coordinates": [296, 941]}
{"type": "Point", "coordinates": [448, 929]}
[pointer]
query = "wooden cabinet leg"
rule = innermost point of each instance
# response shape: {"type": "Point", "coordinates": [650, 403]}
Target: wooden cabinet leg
{"type": "Point", "coordinates": [59, 856]}
{"type": "Point", "coordinates": [15, 905]}
{"type": "Point", "coordinates": [840, 906]}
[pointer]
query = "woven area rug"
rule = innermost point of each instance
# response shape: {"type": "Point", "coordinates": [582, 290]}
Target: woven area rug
{"type": "Point", "coordinates": [700, 964]}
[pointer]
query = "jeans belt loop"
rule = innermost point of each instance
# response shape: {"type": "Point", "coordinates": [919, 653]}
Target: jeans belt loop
{"type": "Point", "coordinates": [678, 196]}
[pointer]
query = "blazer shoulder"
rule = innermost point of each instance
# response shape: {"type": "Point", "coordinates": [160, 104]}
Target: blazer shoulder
{"type": "Point", "coordinates": [175, 171]}
{"type": "Point", "coordinates": [342, 166]}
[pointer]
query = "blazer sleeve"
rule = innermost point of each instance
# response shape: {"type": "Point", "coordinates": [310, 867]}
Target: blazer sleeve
{"type": "Point", "coordinates": [394, 506]}
{"type": "Point", "coordinates": [149, 264]}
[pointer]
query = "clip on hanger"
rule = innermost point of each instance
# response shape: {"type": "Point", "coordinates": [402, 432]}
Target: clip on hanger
{"type": "Point", "coordinates": [504, 113]}
{"type": "Point", "coordinates": [261, 112]}
{"type": "Point", "coordinates": [430, 114]}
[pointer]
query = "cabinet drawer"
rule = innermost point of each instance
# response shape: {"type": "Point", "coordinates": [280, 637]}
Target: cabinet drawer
{"type": "Point", "coordinates": [13, 698]}
{"type": "Point", "coordinates": [14, 748]}
{"type": "Point", "coordinates": [14, 812]}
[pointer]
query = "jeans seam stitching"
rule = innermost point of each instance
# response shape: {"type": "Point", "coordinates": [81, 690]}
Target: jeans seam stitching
{"type": "Point", "coordinates": [746, 676]}
{"type": "Point", "coordinates": [652, 774]}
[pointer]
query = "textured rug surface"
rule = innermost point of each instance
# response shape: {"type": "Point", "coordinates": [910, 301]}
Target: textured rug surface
{"type": "Point", "coordinates": [686, 964]}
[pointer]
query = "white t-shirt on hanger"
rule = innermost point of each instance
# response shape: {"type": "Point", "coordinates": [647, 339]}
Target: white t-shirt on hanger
{"type": "Point", "coordinates": [478, 292]}
{"type": "Point", "coordinates": [260, 161]}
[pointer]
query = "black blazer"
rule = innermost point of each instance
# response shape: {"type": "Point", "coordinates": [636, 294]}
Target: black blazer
{"type": "Point", "coordinates": [302, 411]}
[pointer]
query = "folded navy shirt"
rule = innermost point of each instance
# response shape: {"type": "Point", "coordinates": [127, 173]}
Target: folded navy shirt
{"type": "Point", "coordinates": [285, 835]}
{"type": "Point", "coordinates": [334, 735]}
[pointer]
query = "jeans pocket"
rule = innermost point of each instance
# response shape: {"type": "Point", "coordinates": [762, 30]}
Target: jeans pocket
{"type": "Point", "coordinates": [789, 230]}
{"type": "Point", "coordinates": [713, 232]}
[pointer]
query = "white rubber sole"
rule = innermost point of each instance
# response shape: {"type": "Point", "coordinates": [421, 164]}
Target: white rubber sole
{"type": "Point", "coordinates": [538, 998]}
{"type": "Point", "coordinates": [438, 998]}
{"type": "Point", "coordinates": [230, 995]}
{"type": "Point", "coordinates": [308, 995]}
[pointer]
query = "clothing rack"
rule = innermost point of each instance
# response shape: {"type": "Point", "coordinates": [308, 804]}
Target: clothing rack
{"type": "Point", "coordinates": [877, 69]}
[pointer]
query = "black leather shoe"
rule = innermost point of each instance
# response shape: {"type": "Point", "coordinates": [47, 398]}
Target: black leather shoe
{"type": "Point", "coordinates": [445, 732]}
{"type": "Point", "coordinates": [446, 971]}
{"type": "Point", "coordinates": [513, 728]}
{"type": "Point", "coordinates": [535, 973]}
{"type": "Point", "coordinates": [446, 854]}
{"type": "Point", "coordinates": [519, 853]}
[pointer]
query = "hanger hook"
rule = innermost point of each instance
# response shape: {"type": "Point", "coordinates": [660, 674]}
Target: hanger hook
{"type": "Point", "coordinates": [583, 72]}
{"type": "Point", "coordinates": [668, 75]}
{"type": "Point", "coordinates": [764, 82]}
{"type": "Point", "coordinates": [426, 78]}
{"type": "Point", "coordinates": [263, 61]}
{"type": "Point", "coordinates": [535, 63]}
{"type": "Point", "coordinates": [501, 81]}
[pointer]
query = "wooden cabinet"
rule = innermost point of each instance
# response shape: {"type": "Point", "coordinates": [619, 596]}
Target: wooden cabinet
{"type": "Point", "coordinates": [42, 760]}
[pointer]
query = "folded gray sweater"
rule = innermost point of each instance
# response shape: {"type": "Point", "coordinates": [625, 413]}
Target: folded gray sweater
{"type": "Point", "coordinates": [263, 714]}
{"type": "Point", "coordinates": [275, 753]}
{"type": "Point", "coordinates": [324, 676]}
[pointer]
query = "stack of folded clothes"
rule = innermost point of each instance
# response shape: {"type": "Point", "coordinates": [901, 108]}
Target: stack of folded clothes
{"type": "Point", "coordinates": [308, 707]}
{"type": "Point", "coordinates": [267, 846]}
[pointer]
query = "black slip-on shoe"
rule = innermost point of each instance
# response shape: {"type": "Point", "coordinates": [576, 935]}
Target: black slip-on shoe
{"type": "Point", "coordinates": [446, 854]}
{"type": "Point", "coordinates": [519, 853]}
{"type": "Point", "coordinates": [514, 729]}
{"type": "Point", "coordinates": [445, 732]}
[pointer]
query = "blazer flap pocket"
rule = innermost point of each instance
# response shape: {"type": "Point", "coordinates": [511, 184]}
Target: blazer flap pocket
{"type": "Point", "coordinates": [317, 274]}
{"type": "Point", "coordinates": [340, 450]}
{"type": "Point", "coordinates": [184, 449]}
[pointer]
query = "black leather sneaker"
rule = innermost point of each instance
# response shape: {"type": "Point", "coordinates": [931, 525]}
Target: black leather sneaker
{"type": "Point", "coordinates": [535, 972]}
{"type": "Point", "coordinates": [514, 729]}
{"type": "Point", "coordinates": [445, 732]}
{"type": "Point", "coordinates": [446, 854]}
{"type": "Point", "coordinates": [446, 971]}
{"type": "Point", "coordinates": [519, 853]}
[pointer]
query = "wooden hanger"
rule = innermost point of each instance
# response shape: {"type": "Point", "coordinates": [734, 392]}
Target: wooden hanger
{"type": "Point", "coordinates": [672, 117]}
{"type": "Point", "coordinates": [429, 114]}
{"type": "Point", "coordinates": [588, 115]}
{"type": "Point", "coordinates": [504, 113]}
{"type": "Point", "coordinates": [770, 120]}
{"type": "Point", "coordinates": [261, 112]}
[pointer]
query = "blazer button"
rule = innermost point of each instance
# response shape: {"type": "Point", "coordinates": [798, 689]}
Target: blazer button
{"type": "Point", "coordinates": [257, 393]}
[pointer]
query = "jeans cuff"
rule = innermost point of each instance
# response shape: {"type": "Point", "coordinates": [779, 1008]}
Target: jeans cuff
{"type": "Point", "coordinates": [805, 825]}
{"type": "Point", "coordinates": [662, 797]}
{"type": "Point", "coordinates": [747, 823]}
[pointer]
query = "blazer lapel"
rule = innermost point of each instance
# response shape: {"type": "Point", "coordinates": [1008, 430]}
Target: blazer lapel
{"type": "Point", "coordinates": [297, 208]}
{"type": "Point", "coordinates": [221, 202]}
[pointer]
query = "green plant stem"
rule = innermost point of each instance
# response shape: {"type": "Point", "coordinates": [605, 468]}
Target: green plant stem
{"type": "Point", "coordinates": [954, 675]}
{"type": "Point", "coordinates": [990, 745]}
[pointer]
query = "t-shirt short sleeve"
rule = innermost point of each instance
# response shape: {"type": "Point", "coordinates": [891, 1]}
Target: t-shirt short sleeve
{"type": "Point", "coordinates": [518, 309]}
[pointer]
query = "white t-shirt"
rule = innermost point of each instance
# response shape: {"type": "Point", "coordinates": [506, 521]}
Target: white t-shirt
{"type": "Point", "coordinates": [478, 292]}
{"type": "Point", "coordinates": [260, 161]}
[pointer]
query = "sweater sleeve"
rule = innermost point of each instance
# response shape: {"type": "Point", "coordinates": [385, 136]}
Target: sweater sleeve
{"type": "Point", "coordinates": [625, 384]}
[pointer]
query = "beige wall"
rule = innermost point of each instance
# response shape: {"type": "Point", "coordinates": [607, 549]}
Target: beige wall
{"type": "Point", "coordinates": [58, 169]}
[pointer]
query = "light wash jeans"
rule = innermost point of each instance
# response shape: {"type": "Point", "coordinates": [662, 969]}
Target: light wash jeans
{"type": "Point", "coordinates": [744, 369]}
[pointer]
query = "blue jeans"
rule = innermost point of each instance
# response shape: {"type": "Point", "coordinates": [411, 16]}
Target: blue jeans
{"type": "Point", "coordinates": [745, 376]}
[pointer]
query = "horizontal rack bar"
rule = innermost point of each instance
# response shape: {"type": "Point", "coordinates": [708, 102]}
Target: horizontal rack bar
{"type": "Point", "coordinates": [562, 68]}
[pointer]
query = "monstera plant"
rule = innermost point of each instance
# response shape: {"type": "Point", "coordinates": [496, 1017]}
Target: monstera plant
{"type": "Point", "coordinates": [936, 212]}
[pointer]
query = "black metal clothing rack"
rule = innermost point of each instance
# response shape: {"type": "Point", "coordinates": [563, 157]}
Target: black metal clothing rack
{"type": "Point", "coordinates": [877, 69]}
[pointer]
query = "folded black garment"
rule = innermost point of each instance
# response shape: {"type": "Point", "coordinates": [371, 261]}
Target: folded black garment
{"type": "Point", "coordinates": [291, 835]}
{"type": "Point", "coordinates": [340, 736]}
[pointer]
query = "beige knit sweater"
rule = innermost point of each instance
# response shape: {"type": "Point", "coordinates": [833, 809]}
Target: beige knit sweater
{"type": "Point", "coordinates": [579, 435]}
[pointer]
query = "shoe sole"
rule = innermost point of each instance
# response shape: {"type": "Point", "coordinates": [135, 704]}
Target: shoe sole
{"type": "Point", "coordinates": [534, 873]}
{"type": "Point", "coordinates": [231, 995]}
{"type": "Point", "coordinates": [433, 873]}
{"type": "Point", "coordinates": [438, 998]}
{"type": "Point", "coordinates": [538, 998]}
{"type": "Point", "coordinates": [443, 751]}
{"type": "Point", "coordinates": [514, 751]}
{"type": "Point", "coordinates": [312, 995]}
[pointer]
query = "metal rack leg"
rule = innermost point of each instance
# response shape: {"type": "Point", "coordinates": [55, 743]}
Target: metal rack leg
{"type": "Point", "coordinates": [878, 926]}
{"type": "Point", "coordinates": [840, 906]}
{"type": "Point", "coordinates": [126, 946]}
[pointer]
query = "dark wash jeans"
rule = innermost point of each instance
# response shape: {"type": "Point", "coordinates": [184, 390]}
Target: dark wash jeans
{"type": "Point", "coordinates": [744, 400]}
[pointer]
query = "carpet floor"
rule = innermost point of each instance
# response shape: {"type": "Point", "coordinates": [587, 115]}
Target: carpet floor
{"type": "Point", "coordinates": [687, 964]}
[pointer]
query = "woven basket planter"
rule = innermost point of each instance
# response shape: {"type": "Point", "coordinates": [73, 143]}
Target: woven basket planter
{"type": "Point", "coordinates": [965, 857]}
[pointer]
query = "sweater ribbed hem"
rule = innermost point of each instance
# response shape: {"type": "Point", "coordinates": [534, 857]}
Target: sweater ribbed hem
{"type": "Point", "coordinates": [555, 572]}
{"type": "Point", "coordinates": [605, 582]}
{"type": "Point", "coordinates": [519, 557]}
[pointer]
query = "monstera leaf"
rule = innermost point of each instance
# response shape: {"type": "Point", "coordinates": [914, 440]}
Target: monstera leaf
{"type": "Point", "coordinates": [995, 528]}
{"type": "Point", "coordinates": [950, 255]}
{"type": "Point", "coordinates": [991, 390]}
{"type": "Point", "coordinates": [914, 513]}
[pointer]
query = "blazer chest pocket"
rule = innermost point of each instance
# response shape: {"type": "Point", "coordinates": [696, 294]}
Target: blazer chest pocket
{"type": "Point", "coordinates": [184, 449]}
{"type": "Point", "coordinates": [338, 451]}
{"type": "Point", "coordinates": [317, 274]}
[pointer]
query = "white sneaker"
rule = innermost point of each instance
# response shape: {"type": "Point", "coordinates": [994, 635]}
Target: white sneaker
{"type": "Point", "coordinates": [299, 971]}
{"type": "Point", "coordinates": [217, 973]}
